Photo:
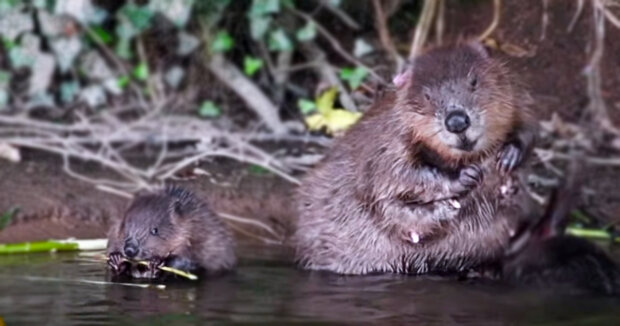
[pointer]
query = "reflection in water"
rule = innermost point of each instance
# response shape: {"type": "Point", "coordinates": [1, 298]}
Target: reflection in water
{"type": "Point", "coordinates": [266, 290]}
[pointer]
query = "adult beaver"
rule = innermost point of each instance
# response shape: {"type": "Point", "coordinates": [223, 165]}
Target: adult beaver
{"type": "Point", "coordinates": [170, 227]}
{"type": "Point", "coordinates": [415, 185]}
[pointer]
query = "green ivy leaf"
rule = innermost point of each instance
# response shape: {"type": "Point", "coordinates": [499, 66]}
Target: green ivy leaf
{"type": "Point", "coordinates": [335, 3]}
{"type": "Point", "coordinates": [103, 35]}
{"type": "Point", "coordinates": [6, 217]}
{"type": "Point", "coordinates": [140, 17]}
{"type": "Point", "coordinates": [259, 26]}
{"type": "Point", "coordinates": [307, 33]}
{"type": "Point", "coordinates": [8, 44]}
{"type": "Point", "coordinates": [208, 109]}
{"type": "Point", "coordinates": [123, 48]}
{"type": "Point", "coordinates": [5, 78]}
{"type": "Point", "coordinates": [353, 76]}
{"type": "Point", "coordinates": [264, 7]}
{"type": "Point", "coordinates": [141, 71]}
{"type": "Point", "coordinates": [122, 81]}
{"type": "Point", "coordinates": [69, 91]}
{"type": "Point", "coordinates": [278, 41]}
{"type": "Point", "coordinates": [306, 106]}
{"type": "Point", "coordinates": [223, 42]}
{"type": "Point", "coordinates": [257, 169]}
{"type": "Point", "coordinates": [288, 3]}
{"type": "Point", "coordinates": [251, 65]}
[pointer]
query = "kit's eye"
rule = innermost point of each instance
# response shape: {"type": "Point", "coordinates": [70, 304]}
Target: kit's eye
{"type": "Point", "coordinates": [473, 82]}
{"type": "Point", "coordinates": [154, 231]}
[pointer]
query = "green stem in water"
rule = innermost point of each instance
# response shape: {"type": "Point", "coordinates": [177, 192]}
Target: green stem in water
{"type": "Point", "coordinates": [591, 233]}
{"type": "Point", "coordinates": [52, 245]}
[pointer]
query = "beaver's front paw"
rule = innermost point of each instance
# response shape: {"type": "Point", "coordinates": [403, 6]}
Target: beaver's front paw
{"type": "Point", "coordinates": [509, 157]}
{"type": "Point", "coordinates": [117, 263]}
{"type": "Point", "coordinates": [154, 265]}
{"type": "Point", "coordinates": [469, 178]}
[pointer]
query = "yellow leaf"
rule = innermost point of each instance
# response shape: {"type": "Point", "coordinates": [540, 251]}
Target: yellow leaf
{"type": "Point", "coordinates": [315, 121]}
{"type": "Point", "coordinates": [340, 120]}
{"type": "Point", "coordinates": [325, 101]}
{"type": "Point", "coordinates": [334, 121]}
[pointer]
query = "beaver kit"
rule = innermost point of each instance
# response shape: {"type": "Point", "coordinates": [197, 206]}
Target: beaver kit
{"type": "Point", "coordinates": [170, 227]}
{"type": "Point", "coordinates": [416, 185]}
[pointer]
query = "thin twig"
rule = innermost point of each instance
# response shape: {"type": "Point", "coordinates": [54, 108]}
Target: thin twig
{"type": "Point", "coordinates": [244, 220]}
{"type": "Point", "coordinates": [575, 18]}
{"type": "Point", "coordinates": [342, 15]}
{"type": "Point", "coordinates": [423, 27]}
{"type": "Point", "coordinates": [384, 34]}
{"type": "Point", "coordinates": [335, 43]}
{"type": "Point", "coordinates": [496, 15]}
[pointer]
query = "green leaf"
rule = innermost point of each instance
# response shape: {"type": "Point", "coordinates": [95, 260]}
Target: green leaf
{"type": "Point", "coordinates": [264, 7]}
{"type": "Point", "coordinates": [259, 26]}
{"type": "Point", "coordinates": [306, 106]}
{"type": "Point", "coordinates": [141, 71]}
{"type": "Point", "coordinates": [140, 17]}
{"type": "Point", "coordinates": [6, 217]}
{"type": "Point", "coordinates": [123, 48]}
{"type": "Point", "coordinates": [257, 169]}
{"type": "Point", "coordinates": [307, 33]}
{"type": "Point", "coordinates": [8, 44]}
{"type": "Point", "coordinates": [278, 41]}
{"type": "Point", "coordinates": [251, 65]}
{"type": "Point", "coordinates": [5, 78]}
{"type": "Point", "coordinates": [222, 42]}
{"type": "Point", "coordinates": [122, 81]}
{"type": "Point", "coordinates": [103, 35]}
{"type": "Point", "coordinates": [287, 3]}
{"type": "Point", "coordinates": [20, 57]}
{"type": "Point", "coordinates": [335, 3]}
{"type": "Point", "coordinates": [208, 109]}
{"type": "Point", "coordinates": [353, 76]}
{"type": "Point", "coordinates": [69, 90]}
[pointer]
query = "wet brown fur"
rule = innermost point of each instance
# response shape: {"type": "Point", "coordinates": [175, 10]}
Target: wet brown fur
{"type": "Point", "coordinates": [391, 165]}
{"type": "Point", "coordinates": [189, 235]}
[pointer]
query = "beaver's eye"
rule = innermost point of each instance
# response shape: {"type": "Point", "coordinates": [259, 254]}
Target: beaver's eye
{"type": "Point", "coordinates": [473, 82]}
{"type": "Point", "coordinates": [154, 231]}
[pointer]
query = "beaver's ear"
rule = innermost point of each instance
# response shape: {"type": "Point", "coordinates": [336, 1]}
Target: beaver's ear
{"type": "Point", "coordinates": [176, 211]}
{"type": "Point", "coordinates": [479, 48]}
{"type": "Point", "coordinates": [402, 78]}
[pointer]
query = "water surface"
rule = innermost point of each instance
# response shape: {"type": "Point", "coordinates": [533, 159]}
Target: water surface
{"type": "Point", "coordinates": [54, 289]}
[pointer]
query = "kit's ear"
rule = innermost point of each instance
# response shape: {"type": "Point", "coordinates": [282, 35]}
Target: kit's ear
{"type": "Point", "coordinates": [479, 48]}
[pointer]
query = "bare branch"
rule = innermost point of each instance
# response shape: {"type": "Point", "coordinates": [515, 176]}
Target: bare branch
{"type": "Point", "coordinates": [230, 75]}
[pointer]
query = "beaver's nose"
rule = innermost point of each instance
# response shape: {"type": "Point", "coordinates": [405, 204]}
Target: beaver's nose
{"type": "Point", "coordinates": [457, 122]}
{"type": "Point", "coordinates": [130, 249]}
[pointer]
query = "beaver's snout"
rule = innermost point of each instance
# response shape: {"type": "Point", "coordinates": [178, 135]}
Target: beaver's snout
{"type": "Point", "coordinates": [130, 249]}
{"type": "Point", "coordinates": [457, 122]}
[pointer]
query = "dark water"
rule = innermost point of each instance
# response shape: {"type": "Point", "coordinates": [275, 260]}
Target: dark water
{"type": "Point", "coordinates": [52, 289]}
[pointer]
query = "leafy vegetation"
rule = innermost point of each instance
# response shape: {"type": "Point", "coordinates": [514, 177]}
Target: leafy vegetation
{"type": "Point", "coordinates": [89, 53]}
